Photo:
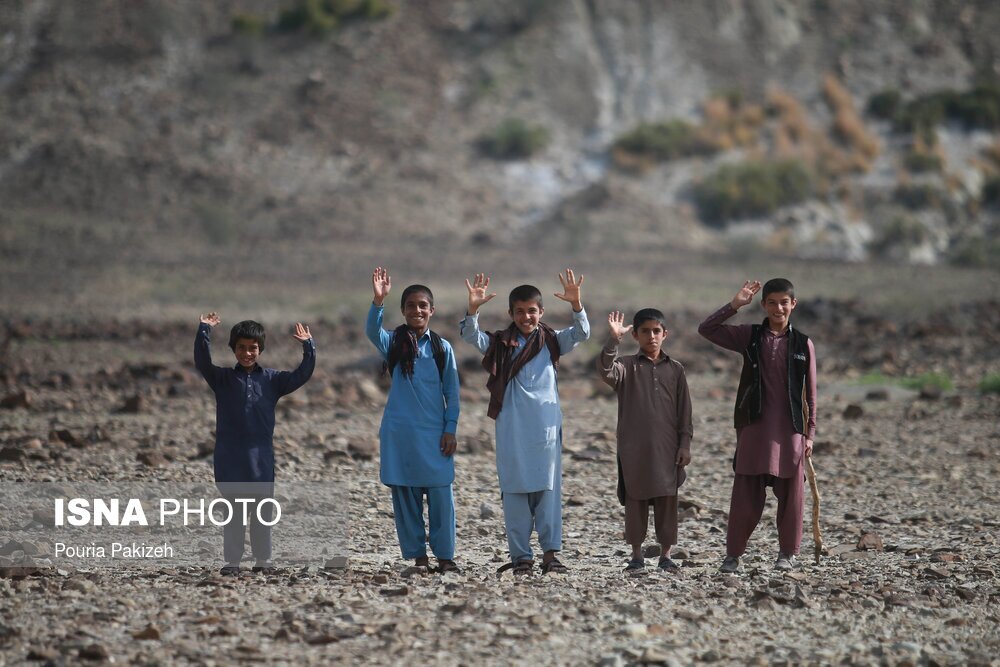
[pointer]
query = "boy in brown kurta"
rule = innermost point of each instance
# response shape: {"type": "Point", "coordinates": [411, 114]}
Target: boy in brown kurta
{"type": "Point", "coordinates": [775, 417]}
{"type": "Point", "coordinates": [654, 430]}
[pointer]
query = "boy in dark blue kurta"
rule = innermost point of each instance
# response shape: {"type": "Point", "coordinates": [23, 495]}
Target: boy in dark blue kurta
{"type": "Point", "coordinates": [417, 437]}
{"type": "Point", "coordinates": [245, 398]}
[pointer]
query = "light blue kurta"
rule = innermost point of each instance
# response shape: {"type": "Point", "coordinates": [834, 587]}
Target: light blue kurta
{"type": "Point", "coordinates": [529, 427]}
{"type": "Point", "coordinates": [419, 410]}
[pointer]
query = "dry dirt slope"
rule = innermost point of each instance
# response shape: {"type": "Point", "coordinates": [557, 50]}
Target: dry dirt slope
{"type": "Point", "coordinates": [157, 117]}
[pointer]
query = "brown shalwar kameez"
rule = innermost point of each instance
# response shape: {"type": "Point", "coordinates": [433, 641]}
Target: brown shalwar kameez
{"type": "Point", "coordinates": [769, 452]}
{"type": "Point", "coordinates": [654, 422]}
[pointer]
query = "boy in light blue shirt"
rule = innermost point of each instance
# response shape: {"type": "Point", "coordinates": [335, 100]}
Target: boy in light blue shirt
{"type": "Point", "coordinates": [524, 400]}
{"type": "Point", "coordinates": [417, 437]}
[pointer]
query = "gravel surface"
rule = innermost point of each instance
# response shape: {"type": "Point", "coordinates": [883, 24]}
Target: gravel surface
{"type": "Point", "coordinates": [909, 520]}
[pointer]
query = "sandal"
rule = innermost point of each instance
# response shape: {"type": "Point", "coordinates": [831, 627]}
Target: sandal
{"type": "Point", "coordinates": [521, 567]}
{"type": "Point", "coordinates": [448, 566]}
{"type": "Point", "coordinates": [667, 563]}
{"type": "Point", "coordinates": [554, 566]}
{"type": "Point", "coordinates": [635, 564]}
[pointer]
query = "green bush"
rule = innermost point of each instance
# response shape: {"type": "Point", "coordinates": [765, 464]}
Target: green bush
{"type": "Point", "coordinates": [751, 190]}
{"type": "Point", "coordinates": [902, 231]}
{"type": "Point", "coordinates": [990, 384]}
{"type": "Point", "coordinates": [514, 139]}
{"type": "Point", "coordinates": [920, 162]}
{"type": "Point", "coordinates": [976, 252]}
{"type": "Point", "coordinates": [917, 196]}
{"type": "Point", "coordinates": [939, 380]}
{"type": "Point", "coordinates": [990, 196]}
{"type": "Point", "coordinates": [885, 104]}
{"type": "Point", "coordinates": [665, 141]}
{"type": "Point", "coordinates": [248, 24]}
{"type": "Point", "coordinates": [319, 17]}
{"type": "Point", "coordinates": [976, 108]}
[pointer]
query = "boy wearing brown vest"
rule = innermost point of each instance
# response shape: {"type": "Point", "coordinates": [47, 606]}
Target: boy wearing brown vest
{"type": "Point", "coordinates": [775, 416]}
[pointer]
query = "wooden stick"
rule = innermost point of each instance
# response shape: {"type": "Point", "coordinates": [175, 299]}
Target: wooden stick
{"type": "Point", "coordinates": [817, 538]}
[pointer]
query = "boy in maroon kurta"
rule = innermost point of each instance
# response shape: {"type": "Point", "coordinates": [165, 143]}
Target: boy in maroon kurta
{"type": "Point", "coordinates": [775, 416]}
{"type": "Point", "coordinates": [654, 430]}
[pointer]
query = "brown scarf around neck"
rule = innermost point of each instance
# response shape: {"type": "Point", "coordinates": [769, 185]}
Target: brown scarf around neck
{"type": "Point", "coordinates": [502, 366]}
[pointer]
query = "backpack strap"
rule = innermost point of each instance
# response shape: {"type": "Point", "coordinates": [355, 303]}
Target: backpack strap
{"type": "Point", "coordinates": [437, 349]}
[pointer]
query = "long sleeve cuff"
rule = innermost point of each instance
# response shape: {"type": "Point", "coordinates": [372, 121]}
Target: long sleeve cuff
{"type": "Point", "coordinates": [451, 426]}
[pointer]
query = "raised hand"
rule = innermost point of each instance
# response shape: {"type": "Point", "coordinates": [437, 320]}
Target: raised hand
{"type": "Point", "coordinates": [301, 332]}
{"type": "Point", "coordinates": [212, 319]}
{"type": "Point", "coordinates": [616, 321]}
{"type": "Point", "coordinates": [745, 295]}
{"type": "Point", "coordinates": [477, 292]}
{"type": "Point", "coordinates": [381, 284]}
{"type": "Point", "coordinates": [571, 289]}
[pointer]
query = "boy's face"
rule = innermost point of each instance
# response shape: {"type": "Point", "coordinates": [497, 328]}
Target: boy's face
{"type": "Point", "coordinates": [417, 311]}
{"type": "Point", "coordinates": [247, 350]}
{"type": "Point", "coordinates": [526, 315]}
{"type": "Point", "coordinates": [650, 336]}
{"type": "Point", "coordinates": [779, 307]}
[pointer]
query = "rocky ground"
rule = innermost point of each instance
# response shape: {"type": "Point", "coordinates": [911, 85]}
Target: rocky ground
{"type": "Point", "coordinates": [909, 518]}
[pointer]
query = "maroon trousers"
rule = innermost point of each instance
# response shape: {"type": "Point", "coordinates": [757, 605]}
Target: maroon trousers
{"type": "Point", "coordinates": [664, 520]}
{"type": "Point", "coordinates": [747, 505]}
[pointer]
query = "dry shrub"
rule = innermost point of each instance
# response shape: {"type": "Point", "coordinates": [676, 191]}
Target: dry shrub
{"type": "Point", "coordinates": [730, 124]}
{"type": "Point", "coordinates": [791, 115]}
{"type": "Point", "coordinates": [636, 163]}
{"type": "Point", "coordinates": [848, 125]}
{"type": "Point", "coordinates": [717, 111]}
{"type": "Point", "coordinates": [924, 158]}
{"type": "Point", "coordinates": [835, 94]}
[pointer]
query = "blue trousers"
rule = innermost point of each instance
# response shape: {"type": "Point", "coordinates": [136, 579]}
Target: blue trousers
{"type": "Point", "coordinates": [539, 510]}
{"type": "Point", "coordinates": [408, 510]}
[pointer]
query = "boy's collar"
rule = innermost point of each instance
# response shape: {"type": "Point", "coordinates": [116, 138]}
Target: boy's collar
{"type": "Point", "coordinates": [663, 356]}
{"type": "Point", "coordinates": [425, 334]}
{"type": "Point", "coordinates": [256, 368]}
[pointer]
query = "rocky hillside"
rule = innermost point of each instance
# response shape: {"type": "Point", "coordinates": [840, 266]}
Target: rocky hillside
{"type": "Point", "coordinates": [807, 127]}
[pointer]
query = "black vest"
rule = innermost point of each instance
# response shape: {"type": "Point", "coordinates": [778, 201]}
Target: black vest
{"type": "Point", "coordinates": [750, 395]}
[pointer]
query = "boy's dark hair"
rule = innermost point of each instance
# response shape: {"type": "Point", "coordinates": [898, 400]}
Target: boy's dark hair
{"type": "Point", "coordinates": [647, 314]}
{"type": "Point", "coordinates": [524, 293]}
{"type": "Point", "coordinates": [247, 329]}
{"type": "Point", "coordinates": [780, 285]}
{"type": "Point", "coordinates": [415, 289]}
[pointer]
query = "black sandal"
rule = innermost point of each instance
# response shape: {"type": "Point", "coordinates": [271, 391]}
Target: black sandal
{"type": "Point", "coordinates": [554, 566]}
{"type": "Point", "coordinates": [635, 564]}
{"type": "Point", "coordinates": [667, 563]}
{"type": "Point", "coordinates": [448, 566]}
{"type": "Point", "coordinates": [521, 567]}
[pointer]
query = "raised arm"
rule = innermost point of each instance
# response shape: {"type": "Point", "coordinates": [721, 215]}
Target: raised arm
{"type": "Point", "coordinates": [203, 349]}
{"type": "Point", "coordinates": [380, 338]}
{"type": "Point", "coordinates": [580, 331]}
{"type": "Point", "coordinates": [469, 326]}
{"type": "Point", "coordinates": [289, 381]}
{"type": "Point", "coordinates": [612, 371]}
{"type": "Point", "coordinates": [728, 336]}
